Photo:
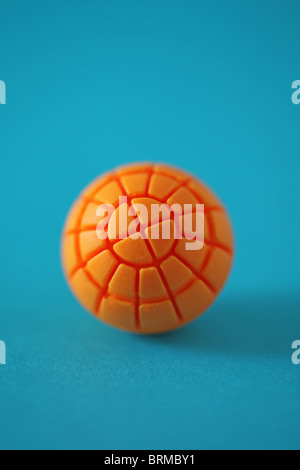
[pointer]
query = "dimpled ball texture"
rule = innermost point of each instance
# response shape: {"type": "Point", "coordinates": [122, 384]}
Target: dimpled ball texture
{"type": "Point", "coordinates": [146, 285]}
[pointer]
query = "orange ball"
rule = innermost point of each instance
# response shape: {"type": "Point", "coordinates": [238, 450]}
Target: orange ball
{"type": "Point", "coordinates": [145, 285]}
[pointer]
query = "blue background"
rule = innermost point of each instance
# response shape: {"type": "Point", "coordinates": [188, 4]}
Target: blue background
{"type": "Point", "coordinates": [203, 85]}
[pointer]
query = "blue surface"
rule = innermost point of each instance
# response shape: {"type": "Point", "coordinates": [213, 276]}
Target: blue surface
{"type": "Point", "coordinates": [203, 85]}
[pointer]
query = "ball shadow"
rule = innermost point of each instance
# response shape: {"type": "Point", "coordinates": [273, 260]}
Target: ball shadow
{"type": "Point", "coordinates": [242, 325]}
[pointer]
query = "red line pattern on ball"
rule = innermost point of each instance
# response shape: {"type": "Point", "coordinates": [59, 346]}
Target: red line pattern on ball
{"type": "Point", "coordinates": [104, 292]}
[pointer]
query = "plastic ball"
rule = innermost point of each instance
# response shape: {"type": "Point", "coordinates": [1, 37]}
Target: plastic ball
{"type": "Point", "coordinates": [145, 284]}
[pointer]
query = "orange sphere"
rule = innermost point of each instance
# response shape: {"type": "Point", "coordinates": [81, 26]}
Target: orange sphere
{"type": "Point", "coordinates": [148, 284]}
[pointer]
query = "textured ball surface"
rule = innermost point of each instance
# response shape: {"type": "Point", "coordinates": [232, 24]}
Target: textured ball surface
{"type": "Point", "coordinates": [146, 285]}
